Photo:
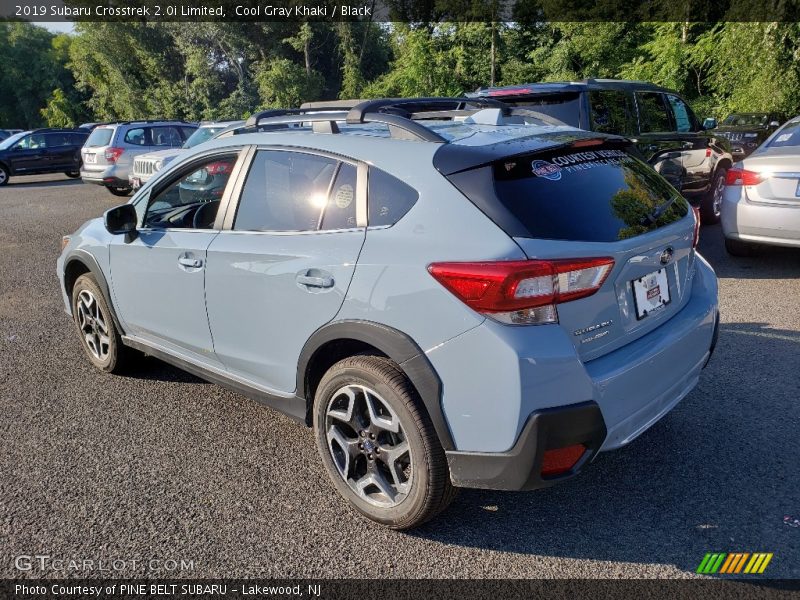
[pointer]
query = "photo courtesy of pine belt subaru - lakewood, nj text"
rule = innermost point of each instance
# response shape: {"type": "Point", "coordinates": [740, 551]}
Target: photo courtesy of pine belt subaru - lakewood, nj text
{"type": "Point", "coordinates": [467, 297]}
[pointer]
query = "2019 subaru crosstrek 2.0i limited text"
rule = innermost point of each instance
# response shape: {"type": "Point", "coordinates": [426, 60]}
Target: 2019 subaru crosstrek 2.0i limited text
{"type": "Point", "coordinates": [481, 300]}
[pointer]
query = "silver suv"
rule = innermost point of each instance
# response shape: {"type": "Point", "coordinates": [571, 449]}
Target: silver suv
{"type": "Point", "coordinates": [146, 165]}
{"type": "Point", "coordinates": [109, 152]}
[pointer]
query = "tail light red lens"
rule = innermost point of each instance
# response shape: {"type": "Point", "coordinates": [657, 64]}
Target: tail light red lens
{"type": "Point", "coordinates": [113, 154]}
{"type": "Point", "coordinates": [561, 460]}
{"type": "Point", "coordinates": [742, 177]}
{"type": "Point", "coordinates": [696, 239]}
{"type": "Point", "coordinates": [522, 291]}
{"type": "Point", "coordinates": [219, 168]}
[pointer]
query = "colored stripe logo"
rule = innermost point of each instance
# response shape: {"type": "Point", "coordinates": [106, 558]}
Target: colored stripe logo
{"type": "Point", "coordinates": [734, 563]}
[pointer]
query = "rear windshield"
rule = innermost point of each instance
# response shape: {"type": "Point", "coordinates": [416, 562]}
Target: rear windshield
{"type": "Point", "coordinates": [100, 136]}
{"type": "Point", "coordinates": [788, 136]}
{"type": "Point", "coordinates": [591, 195]}
{"type": "Point", "coordinates": [562, 107]}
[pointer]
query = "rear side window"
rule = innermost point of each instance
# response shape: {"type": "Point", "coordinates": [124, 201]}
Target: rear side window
{"type": "Point", "coordinates": [389, 198]}
{"type": "Point", "coordinates": [597, 195]}
{"type": "Point", "coordinates": [100, 136]}
{"type": "Point", "coordinates": [612, 112]}
{"type": "Point", "coordinates": [285, 191]}
{"type": "Point", "coordinates": [340, 209]}
{"type": "Point", "coordinates": [136, 137]}
{"type": "Point", "coordinates": [653, 115]}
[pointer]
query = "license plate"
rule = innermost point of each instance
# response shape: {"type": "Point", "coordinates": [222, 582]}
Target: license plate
{"type": "Point", "coordinates": [650, 293]}
{"type": "Point", "coordinates": [90, 158]}
{"type": "Point", "coordinates": [136, 183]}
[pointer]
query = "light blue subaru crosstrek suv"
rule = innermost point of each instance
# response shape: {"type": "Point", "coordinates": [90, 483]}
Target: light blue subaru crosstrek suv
{"type": "Point", "coordinates": [470, 297]}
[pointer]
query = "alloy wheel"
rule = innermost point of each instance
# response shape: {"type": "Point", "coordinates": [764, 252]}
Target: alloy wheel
{"type": "Point", "coordinates": [368, 446]}
{"type": "Point", "coordinates": [716, 201]}
{"type": "Point", "coordinates": [3, 176]}
{"type": "Point", "coordinates": [93, 325]}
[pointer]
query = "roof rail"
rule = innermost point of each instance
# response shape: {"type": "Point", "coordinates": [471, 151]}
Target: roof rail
{"type": "Point", "coordinates": [396, 113]}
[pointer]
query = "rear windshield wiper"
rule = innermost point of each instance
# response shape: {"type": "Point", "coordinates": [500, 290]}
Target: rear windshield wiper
{"type": "Point", "coordinates": [652, 217]}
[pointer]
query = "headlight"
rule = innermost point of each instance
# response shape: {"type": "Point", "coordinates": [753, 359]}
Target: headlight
{"type": "Point", "coordinates": [157, 165]}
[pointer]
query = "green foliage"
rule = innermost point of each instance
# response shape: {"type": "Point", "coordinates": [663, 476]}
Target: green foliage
{"type": "Point", "coordinates": [226, 70]}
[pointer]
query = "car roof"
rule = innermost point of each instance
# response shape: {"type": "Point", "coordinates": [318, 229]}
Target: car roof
{"type": "Point", "coordinates": [466, 145]}
{"type": "Point", "coordinates": [556, 87]}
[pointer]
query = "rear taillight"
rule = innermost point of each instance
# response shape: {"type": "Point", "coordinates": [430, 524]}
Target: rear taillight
{"type": "Point", "coordinates": [742, 177]}
{"type": "Point", "coordinates": [113, 154]}
{"type": "Point", "coordinates": [522, 292]}
{"type": "Point", "coordinates": [561, 460]}
{"type": "Point", "coordinates": [696, 239]}
{"type": "Point", "coordinates": [219, 168]}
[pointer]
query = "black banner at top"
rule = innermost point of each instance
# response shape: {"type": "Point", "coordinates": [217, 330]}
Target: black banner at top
{"type": "Point", "coordinates": [402, 10]}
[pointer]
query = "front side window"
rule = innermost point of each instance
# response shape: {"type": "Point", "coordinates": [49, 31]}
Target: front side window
{"type": "Point", "coordinates": [612, 112]}
{"type": "Point", "coordinates": [191, 200]}
{"type": "Point", "coordinates": [653, 115]}
{"type": "Point", "coordinates": [166, 136]}
{"type": "Point", "coordinates": [682, 114]}
{"type": "Point", "coordinates": [35, 141]}
{"type": "Point", "coordinates": [288, 191]}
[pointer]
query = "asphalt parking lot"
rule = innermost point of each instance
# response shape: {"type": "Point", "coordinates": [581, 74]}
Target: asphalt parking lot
{"type": "Point", "coordinates": [161, 465]}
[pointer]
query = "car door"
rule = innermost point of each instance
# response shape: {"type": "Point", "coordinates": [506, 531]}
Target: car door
{"type": "Point", "coordinates": [29, 154]}
{"type": "Point", "coordinates": [282, 265]}
{"type": "Point", "coordinates": [158, 277]}
{"type": "Point", "coordinates": [60, 151]}
{"type": "Point", "coordinates": [695, 158]}
{"type": "Point", "coordinates": [657, 140]}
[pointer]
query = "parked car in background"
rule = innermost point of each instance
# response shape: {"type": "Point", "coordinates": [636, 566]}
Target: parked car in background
{"type": "Point", "coordinates": [666, 132]}
{"type": "Point", "coordinates": [145, 165]}
{"type": "Point", "coordinates": [761, 202]}
{"type": "Point", "coordinates": [7, 133]}
{"type": "Point", "coordinates": [475, 300]}
{"type": "Point", "coordinates": [747, 131]}
{"type": "Point", "coordinates": [110, 149]}
{"type": "Point", "coordinates": [42, 151]}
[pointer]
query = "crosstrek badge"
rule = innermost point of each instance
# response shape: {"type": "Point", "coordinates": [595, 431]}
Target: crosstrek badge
{"type": "Point", "coordinates": [542, 168]}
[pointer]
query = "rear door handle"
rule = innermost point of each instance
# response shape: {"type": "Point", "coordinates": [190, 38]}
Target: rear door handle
{"type": "Point", "coordinates": [192, 263]}
{"type": "Point", "coordinates": [312, 281]}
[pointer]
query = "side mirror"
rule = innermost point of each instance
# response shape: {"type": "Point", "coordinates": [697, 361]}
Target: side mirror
{"type": "Point", "coordinates": [709, 123]}
{"type": "Point", "coordinates": [774, 124]}
{"type": "Point", "coordinates": [120, 219]}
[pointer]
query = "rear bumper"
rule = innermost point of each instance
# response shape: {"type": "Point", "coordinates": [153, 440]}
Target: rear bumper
{"type": "Point", "coordinates": [520, 468]}
{"type": "Point", "coordinates": [777, 225]}
{"type": "Point", "coordinates": [540, 396]}
{"type": "Point", "coordinates": [111, 176]}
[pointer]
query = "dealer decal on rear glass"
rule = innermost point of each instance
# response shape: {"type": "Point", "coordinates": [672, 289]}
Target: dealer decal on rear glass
{"type": "Point", "coordinates": [578, 161]}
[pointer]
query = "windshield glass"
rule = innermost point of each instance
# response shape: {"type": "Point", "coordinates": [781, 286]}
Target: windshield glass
{"type": "Point", "coordinates": [746, 120]}
{"type": "Point", "coordinates": [10, 141]}
{"type": "Point", "coordinates": [202, 134]}
{"type": "Point", "coordinates": [789, 135]}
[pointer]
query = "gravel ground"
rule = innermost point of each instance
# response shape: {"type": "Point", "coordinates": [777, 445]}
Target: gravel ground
{"type": "Point", "coordinates": [160, 465]}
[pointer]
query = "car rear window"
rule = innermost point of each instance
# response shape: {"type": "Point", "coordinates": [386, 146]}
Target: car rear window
{"type": "Point", "coordinates": [593, 194]}
{"type": "Point", "coordinates": [100, 136]}
{"type": "Point", "coordinates": [788, 136]}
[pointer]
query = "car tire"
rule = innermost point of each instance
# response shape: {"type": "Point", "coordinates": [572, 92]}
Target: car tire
{"type": "Point", "coordinates": [739, 248]}
{"type": "Point", "coordinates": [4, 175]}
{"type": "Point", "coordinates": [119, 191]}
{"type": "Point", "coordinates": [98, 334]}
{"type": "Point", "coordinates": [73, 174]}
{"type": "Point", "coordinates": [378, 446]}
{"type": "Point", "coordinates": [711, 204]}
